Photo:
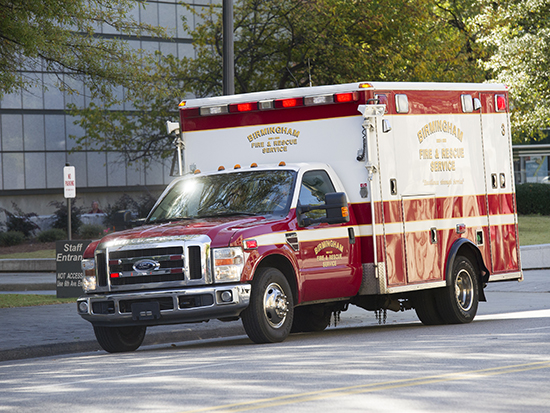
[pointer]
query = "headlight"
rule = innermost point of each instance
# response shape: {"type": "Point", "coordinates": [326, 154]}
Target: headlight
{"type": "Point", "coordinates": [228, 264]}
{"type": "Point", "coordinates": [89, 281]}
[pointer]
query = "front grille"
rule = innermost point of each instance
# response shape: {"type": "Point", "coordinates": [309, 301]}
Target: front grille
{"type": "Point", "coordinates": [195, 267]}
{"type": "Point", "coordinates": [139, 267]}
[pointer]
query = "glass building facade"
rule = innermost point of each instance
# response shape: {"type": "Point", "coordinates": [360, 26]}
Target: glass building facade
{"type": "Point", "coordinates": [35, 131]}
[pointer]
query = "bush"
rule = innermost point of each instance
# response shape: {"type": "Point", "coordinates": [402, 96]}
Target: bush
{"type": "Point", "coordinates": [51, 235]}
{"type": "Point", "coordinates": [533, 199]}
{"type": "Point", "coordinates": [20, 221]}
{"type": "Point", "coordinates": [91, 231]}
{"type": "Point", "coordinates": [139, 208]}
{"type": "Point", "coordinates": [60, 220]}
{"type": "Point", "coordinates": [10, 238]}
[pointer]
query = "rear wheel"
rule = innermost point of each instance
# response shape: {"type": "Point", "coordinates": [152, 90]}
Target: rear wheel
{"type": "Point", "coordinates": [426, 307]}
{"type": "Point", "coordinates": [458, 302]}
{"type": "Point", "coordinates": [311, 318]}
{"type": "Point", "coordinates": [268, 318]}
{"type": "Point", "coordinates": [120, 339]}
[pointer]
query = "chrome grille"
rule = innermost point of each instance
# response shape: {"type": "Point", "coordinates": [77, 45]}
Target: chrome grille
{"type": "Point", "coordinates": [155, 265]}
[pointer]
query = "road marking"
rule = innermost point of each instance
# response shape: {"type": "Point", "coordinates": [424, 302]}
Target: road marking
{"type": "Point", "coordinates": [373, 387]}
{"type": "Point", "coordinates": [515, 315]}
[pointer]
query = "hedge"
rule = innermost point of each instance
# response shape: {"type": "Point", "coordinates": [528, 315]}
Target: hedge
{"type": "Point", "coordinates": [533, 199]}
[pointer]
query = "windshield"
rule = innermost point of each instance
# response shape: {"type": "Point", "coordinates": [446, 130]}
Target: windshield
{"type": "Point", "coordinates": [249, 193]}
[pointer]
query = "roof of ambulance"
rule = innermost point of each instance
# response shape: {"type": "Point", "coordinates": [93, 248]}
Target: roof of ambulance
{"type": "Point", "coordinates": [347, 87]}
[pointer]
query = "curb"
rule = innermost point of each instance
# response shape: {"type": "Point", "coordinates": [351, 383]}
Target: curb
{"type": "Point", "coordinates": [535, 257]}
{"type": "Point", "coordinates": [28, 265]}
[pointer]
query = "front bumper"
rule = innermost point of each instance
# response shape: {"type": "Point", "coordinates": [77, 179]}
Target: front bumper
{"type": "Point", "coordinates": [173, 306]}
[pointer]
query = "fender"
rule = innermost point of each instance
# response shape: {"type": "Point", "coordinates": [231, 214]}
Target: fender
{"type": "Point", "coordinates": [467, 248]}
{"type": "Point", "coordinates": [282, 258]}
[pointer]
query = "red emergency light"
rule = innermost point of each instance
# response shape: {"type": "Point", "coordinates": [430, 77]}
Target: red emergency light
{"type": "Point", "coordinates": [243, 107]}
{"type": "Point", "coordinates": [345, 97]}
{"type": "Point", "coordinates": [500, 103]}
{"type": "Point", "coordinates": [288, 103]}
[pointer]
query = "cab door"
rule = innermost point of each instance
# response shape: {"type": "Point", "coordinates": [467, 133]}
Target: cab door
{"type": "Point", "coordinates": [326, 250]}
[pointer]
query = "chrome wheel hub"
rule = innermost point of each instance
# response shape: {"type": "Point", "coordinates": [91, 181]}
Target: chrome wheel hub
{"type": "Point", "coordinates": [464, 290]}
{"type": "Point", "coordinates": [275, 305]}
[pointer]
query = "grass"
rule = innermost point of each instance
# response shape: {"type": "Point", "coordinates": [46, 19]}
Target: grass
{"type": "Point", "coordinates": [34, 254]}
{"type": "Point", "coordinates": [534, 229]}
{"type": "Point", "coordinates": [27, 300]}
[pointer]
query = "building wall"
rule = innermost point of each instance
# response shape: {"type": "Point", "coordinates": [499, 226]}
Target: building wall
{"type": "Point", "coordinates": [35, 131]}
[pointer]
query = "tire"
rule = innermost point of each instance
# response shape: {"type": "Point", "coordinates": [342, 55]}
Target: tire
{"type": "Point", "coordinates": [426, 308]}
{"type": "Point", "coordinates": [268, 317]}
{"type": "Point", "coordinates": [120, 339]}
{"type": "Point", "coordinates": [458, 301]}
{"type": "Point", "coordinates": [311, 318]}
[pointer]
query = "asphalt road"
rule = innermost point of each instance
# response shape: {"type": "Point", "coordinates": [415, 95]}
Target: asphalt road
{"type": "Point", "coordinates": [500, 362]}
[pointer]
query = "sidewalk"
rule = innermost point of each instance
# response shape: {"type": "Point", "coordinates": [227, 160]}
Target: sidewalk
{"type": "Point", "coordinates": [50, 330]}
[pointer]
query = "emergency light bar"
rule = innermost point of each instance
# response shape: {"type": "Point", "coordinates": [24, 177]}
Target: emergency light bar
{"type": "Point", "coordinates": [344, 97]}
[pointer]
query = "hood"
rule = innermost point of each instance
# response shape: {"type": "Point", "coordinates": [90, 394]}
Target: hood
{"type": "Point", "coordinates": [220, 230]}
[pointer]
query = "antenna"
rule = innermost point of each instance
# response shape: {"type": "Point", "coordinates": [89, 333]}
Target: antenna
{"type": "Point", "coordinates": [309, 72]}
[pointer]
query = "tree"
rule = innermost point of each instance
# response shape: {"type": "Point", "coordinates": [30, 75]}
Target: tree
{"type": "Point", "coordinates": [517, 32]}
{"type": "Point", "coordinates": [281, 44]}
{"type": "Point", "coordinates": [61, 35]}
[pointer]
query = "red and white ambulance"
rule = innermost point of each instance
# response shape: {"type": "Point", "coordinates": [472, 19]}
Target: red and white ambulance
{"type": "Point", "coordinates": [297, 203]}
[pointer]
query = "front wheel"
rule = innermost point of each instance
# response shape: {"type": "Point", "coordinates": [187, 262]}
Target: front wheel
{"type": "Point", "coordinates": [268, 318]}
{"type": "Point", "coordinates": [120, 339]}
{"type": "Point", "coordinates": [458, 302]}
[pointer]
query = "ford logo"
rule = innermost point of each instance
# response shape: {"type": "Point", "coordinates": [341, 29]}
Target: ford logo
{"type": "Point", "coordinates": [146, 265]}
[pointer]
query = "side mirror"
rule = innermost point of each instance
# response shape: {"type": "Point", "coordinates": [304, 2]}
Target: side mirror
{"type": "Point", "coordinates": [336, 208]}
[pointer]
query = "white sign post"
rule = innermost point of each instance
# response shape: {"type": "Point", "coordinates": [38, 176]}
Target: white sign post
{"type": "Point", "coordinates": [69, 187]}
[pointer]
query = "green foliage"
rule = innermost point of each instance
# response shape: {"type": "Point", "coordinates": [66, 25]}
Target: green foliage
{"type": "Point", "coordinates": [91, 231]}
{"type": "Point", "coordinates": [61, 216]}
{"type": "Point", "coordinates": [61, 35]}
{"type": "Point", "coordinates": [51, 235]}
{"type": "Point", "coordinates": [276, 48]}
{"type": "Point", "coordinates": [517, 34]}
{"type": "Point", "coordinates": [533, 199]}
{"type": "Point", "coordinates": [20, 221]}
{"type": "Point", "coordinates": [10, 238]}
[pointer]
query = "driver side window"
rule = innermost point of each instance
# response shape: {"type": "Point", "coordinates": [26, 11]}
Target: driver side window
{"type": "Point", "coordinates": [315, 184]}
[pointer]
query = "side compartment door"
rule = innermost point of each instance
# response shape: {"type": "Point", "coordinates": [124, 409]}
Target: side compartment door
{"type": "Point", "coordinates": [325, 249]}
{"type": "Point", "coordinates": [499, 181]}
{"type": "Point", "coordinates": [420, 235]}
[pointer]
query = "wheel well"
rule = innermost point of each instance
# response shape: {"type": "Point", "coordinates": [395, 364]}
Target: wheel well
{"type": "Point", "coordinates": [468, 250]}
{"type": "Point", "coordinates": [282, 264]}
